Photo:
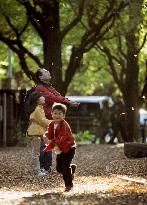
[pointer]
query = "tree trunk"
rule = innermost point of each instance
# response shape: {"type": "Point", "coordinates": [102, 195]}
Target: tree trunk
{"type": "Point", "coordinates": [135, 150]}
{"type": "Point", "coordinates": [132, 71]}
{"type": "Point", "coordinates": [52, 44]}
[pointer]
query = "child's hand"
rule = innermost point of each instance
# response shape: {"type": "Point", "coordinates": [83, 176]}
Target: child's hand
{"type": "Point", "coordinates": [57, 149]}
{"type": "Point", "coordinates": [49, 146]}
{"type": "Point", "coordinates": [46, 141]}
{"type": "Point", "coordinates": [74, 104]}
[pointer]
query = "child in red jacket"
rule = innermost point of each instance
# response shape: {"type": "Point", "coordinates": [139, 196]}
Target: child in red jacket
{"type": "Point", "coordinates": [61, 138]}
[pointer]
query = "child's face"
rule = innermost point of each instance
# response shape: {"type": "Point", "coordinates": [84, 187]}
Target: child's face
{"type": "Point", "coordinates": [58, 115]}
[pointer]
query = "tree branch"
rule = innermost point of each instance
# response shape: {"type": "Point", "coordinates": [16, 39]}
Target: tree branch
{"type": "Point", "coordinates": [74, 63]}
{"type": "Point", "coordinates": [25, 27]}
{"type": "Point", "coordinates": [34, 16]}
{"type": "Point", "coordinates": [11, 25]}
{"type": "Point", "coordinates": [112, 67]}
{"type": "Point", "coordinates": [94, 39]}
{"type": "Point", "coordinates": [90, 35]}
{"type": "Point", "coordinates": [18, 42]}
{"type": "Point", "coordinates": [75, 21]}
{"type": "Point", "coordinates": [122, 55]}
{"type": "Point", "coordinates": [10, 43]}
{"type": "Point", "coordinates": [144, 40]}
{"type": "Point", "coordinates": [25, 67]}
{"type": "Point", "coordinates": [18, 34]}
{"type": "Point", "coordinates": [120, 47]}
{"type": "Point", "coordinates": [16, 46]}
{"type": "Point", "coordinates": [26, 51]}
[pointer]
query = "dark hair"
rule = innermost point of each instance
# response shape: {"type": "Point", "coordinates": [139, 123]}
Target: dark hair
{"type": "Point", "coordinates": [38, 74]}
{"type": "Point", "coordinates": [28, 108]}
{"type": "Point", "coordinates": [28, 93]}
{"type": "Point", "coordinates": [60, 107]}
{"type": "Point", "coordinates": [32, 101]}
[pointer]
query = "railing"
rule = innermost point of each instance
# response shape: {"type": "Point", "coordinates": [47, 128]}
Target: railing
{"type": "Point", "coordinates": [10, 109]}
{"type": "Point", "coordinates": [82, 123]}
{"type": "Point", "coordinates": [144, 131]}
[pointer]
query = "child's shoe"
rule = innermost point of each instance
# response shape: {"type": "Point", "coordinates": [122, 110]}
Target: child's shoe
{"type": "Point", "coordinates": [49, 170]}
{"type": "Point", "coordinates": [40, 173]}
{"type": "Point", "coordinates": [68, 188]}
{"type": "Point", "coordinates": [44, 171]}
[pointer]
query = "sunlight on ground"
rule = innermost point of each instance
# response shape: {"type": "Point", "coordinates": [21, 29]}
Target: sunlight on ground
{"type": "Point", "coordinates": [136, 179]}
{"type": "Point", "coordinates": [117, 145]}
{"type": "Point", "coordinates": [91, 184]}
{"type": "Point", "coordinates": [8, 196]}
{"type": "Point", "coordinates": [88, 185]}
{"type": "Point", "coordinates": [91, 188]}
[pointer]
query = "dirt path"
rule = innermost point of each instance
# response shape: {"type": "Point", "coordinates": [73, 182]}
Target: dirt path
{"type": "Point", "coordinates": [104, 177]}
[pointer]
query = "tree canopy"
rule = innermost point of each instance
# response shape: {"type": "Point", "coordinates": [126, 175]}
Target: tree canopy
{"type": "Point", "coordinates": [41, 33]}
{"type": "Point", "coordinates": [89, 47]}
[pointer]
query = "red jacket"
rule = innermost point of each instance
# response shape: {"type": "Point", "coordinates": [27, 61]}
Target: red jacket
{"type": "Point", "coordinates": [51, 96]}
{"type": "Point", "coordinates": [62, 136]}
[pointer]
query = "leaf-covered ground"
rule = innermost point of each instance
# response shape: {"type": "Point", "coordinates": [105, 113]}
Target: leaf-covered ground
{"type": "Point", "coordinates": [104, 176]}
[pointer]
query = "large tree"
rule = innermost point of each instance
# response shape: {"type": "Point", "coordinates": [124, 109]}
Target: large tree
{"type": "Point", "coordinates": [124, 63]}
{"type": "Point", "coordinates": [47, 20]}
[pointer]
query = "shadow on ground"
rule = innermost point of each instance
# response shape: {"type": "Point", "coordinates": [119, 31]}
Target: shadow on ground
{"type": "Point", "coordinates": [86, 199]}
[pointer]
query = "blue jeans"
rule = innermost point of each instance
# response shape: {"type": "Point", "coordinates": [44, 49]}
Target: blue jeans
{"type": "Point", "coordinates": [45, 157]}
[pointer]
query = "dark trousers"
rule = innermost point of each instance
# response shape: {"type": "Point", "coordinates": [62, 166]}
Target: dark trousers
{"type": "Point", "coordinates": [63, 162]}
{"type": "Point", "coordinates": [45, 157]}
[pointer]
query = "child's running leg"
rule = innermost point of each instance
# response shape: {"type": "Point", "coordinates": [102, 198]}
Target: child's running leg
{"type": "Point", "coordinates": [67, 169]}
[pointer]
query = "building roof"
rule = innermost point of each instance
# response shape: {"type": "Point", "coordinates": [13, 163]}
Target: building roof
{"type": "Point", "coordinates": [90, 99]}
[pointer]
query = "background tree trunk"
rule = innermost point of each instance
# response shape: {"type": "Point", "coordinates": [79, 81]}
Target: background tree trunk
{"type": "Point", "coordinates": [132, 88]}
{"type": "Point", "coordinates": [52, 43]}
{"type": "Point", "coordinates": [127, 76]}
{"type": "Point", "coordinates": [131, 94]}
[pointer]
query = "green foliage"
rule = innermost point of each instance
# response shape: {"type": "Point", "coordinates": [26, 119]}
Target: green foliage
{"type": "Point", "coordinates": [93, 76]}
{"type": "Point", "coordinates": [84, 136]}
{"type": "Point", "coordinates": [15, 12]}
{"type": "Point", "coordinates": [22, 140]}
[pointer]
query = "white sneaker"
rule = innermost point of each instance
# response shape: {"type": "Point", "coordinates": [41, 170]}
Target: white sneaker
{"type": "Point", "coordinates": [44, 171]}
{"type": "Point", "coordinates": [40, 173]}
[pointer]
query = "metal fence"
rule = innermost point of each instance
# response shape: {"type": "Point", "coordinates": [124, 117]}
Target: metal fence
{"type": "Point", "coordinates": [83, 123]}
{"type": "Point", "coordinates": [10, 112]}
{"type": "Point", "coordinates": [11, 108]}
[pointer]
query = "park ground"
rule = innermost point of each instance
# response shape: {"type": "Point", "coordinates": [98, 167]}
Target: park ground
{"type": "Point", "coordinates": [104, 176]}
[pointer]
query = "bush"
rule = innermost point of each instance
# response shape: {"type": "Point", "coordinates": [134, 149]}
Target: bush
{"type": "Point", "coordinates": [22, 139]}
{"type": "Point", "coordinates": [84, 136]}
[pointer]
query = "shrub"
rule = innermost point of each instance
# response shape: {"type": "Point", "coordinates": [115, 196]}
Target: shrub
{"type": "Point", "coordinates": [83, 136]}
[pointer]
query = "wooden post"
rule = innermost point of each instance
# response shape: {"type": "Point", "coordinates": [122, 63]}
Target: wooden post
{"type": "Point", "coordinates": [4, 120]}
{"type": "Point", "coordinates": [9, 68]}
{"type": "Point", "coordinates": [1, 113]}
{"type": "Point", "coordinates": [144, 131]}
